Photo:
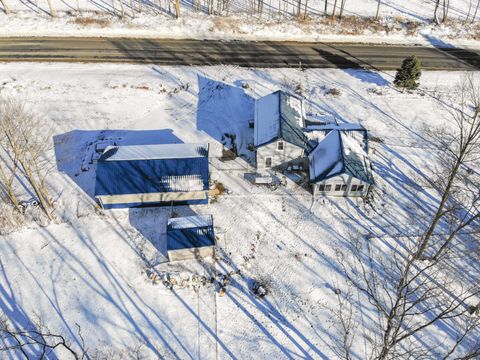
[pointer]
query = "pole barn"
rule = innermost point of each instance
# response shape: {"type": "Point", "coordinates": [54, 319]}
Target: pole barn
{"type": "Point", "coordinates": [152, 175]}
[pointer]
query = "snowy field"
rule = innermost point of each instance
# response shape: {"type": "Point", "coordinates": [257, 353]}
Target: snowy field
{"type": "Point", "coordinates": [94, 268]}
{"type": "Point", "coordinates": [401, 21]}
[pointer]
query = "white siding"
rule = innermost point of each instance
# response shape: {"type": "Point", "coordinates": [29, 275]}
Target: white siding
{"type": "Point", "coordinates": [147, 198]}
{"type": "Point", "coordinates": [192, 253]}
{"type": "Point", "coordinates": [342, 179]}
{"type": "Point", "coordinates": [280, 158]}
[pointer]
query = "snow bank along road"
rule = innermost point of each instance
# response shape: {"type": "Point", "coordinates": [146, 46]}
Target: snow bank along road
{"type": "Point", "coordinates": [241, 53]}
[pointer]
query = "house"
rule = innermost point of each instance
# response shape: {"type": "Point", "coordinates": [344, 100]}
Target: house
{"type": "Point", "coordinates": [190, 237]}
{"type": "Point", "coordinates": [152, 175]}
{"type": "Point", "coordinates": [339, 166]}
{"type": "Point", "coordinates": [279, 139]}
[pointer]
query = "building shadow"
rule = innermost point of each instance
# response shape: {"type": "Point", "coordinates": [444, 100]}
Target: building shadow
{"type": "Point", "coordinates": [224, 112]}
{"type": "Point", "coordinates": [76, 151]}
{"type": "Point", "coordinates": [151, 223]}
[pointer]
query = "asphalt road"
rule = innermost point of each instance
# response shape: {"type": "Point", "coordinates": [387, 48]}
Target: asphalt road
{"type": "Point", "coordinates": [241, 53]}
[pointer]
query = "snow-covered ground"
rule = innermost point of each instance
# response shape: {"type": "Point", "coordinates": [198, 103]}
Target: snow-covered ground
{"type": "Point", "coordinates": [94, 268]}
{"type": "Point", "coordinates": [402, 21]}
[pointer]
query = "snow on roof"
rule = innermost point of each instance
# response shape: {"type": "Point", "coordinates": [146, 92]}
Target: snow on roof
{"type": "Point", "coordinates": [334, 126]}
{"type": "Point", "coordinates": [190, 232]}
{"type": "Point", "coordinates": [157, 151]}
{"type": "Point", "coordinates": [280, 115]}
{"type": "Point", "coordinates": [188, 222]}
{"type": "Point", "coordinates": [267, 118]}
{"type": "Point", "coordinates": [336, 154]}
{"type": "Point", "coordinates": [326, 159]}
{"type": "Point", "coordinates": [157, 169]}
{"type": "Point", "coordinates": [183, 183]}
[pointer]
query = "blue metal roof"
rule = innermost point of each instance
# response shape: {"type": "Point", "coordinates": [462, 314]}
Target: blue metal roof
{"type": "Point", "coordinates": [190, 232]}
{"type": "Point", "coordinates": [121, 175]}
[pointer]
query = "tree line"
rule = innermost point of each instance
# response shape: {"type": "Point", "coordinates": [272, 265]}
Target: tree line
{"type": "Point", "coordinates": [271, 8]}
{"type": "Point", "coordinates": [24, 139]}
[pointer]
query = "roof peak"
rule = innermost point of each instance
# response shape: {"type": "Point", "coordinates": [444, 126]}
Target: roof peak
{"type": "Point", "coordinates": [154, 151]}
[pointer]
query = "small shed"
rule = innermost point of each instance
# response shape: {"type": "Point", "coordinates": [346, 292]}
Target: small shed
{"type": "Point", "coordinates": [152, 175]}
{"type": "Point", "coordinates": [339, 166]}
{"type": "Point", "coordinates": [190, 237]}
{"type": "Point", "coordinates": [279, 138]}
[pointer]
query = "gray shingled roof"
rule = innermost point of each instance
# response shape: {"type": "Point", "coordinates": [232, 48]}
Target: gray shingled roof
{"type": "Point", "coordinates": [338, 154]}
{"type": "Point", "coordinates": [277, 118]}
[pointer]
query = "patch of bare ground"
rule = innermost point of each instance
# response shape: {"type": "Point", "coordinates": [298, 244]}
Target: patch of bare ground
{"type": "Point", "coordinates": [226, 24]}
{"type": "Point", "coordinates": [91, 20]}
{"type": "Point", "coordinates": [354, 25]}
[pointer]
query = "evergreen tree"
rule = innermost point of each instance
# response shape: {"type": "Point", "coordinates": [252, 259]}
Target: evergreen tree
{"type": "Point", "coordinates": [409, 73]}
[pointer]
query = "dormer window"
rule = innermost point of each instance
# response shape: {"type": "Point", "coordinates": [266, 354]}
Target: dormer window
{"type": "Point", "coordinates": [280, 145]}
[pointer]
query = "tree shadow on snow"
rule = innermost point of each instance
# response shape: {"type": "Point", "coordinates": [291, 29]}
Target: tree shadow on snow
{"type": "Point", "coordinates": [19, 321]}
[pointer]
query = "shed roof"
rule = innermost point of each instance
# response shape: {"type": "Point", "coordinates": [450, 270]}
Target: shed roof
{"type": "Point", "coordinates": [155, 169]}
{"type": "Point", "coordinates": [339, 154]}
{"type": "Point", "coordinates": [190, 232]}
{"type": "Point", "coordinates": [280, 116]}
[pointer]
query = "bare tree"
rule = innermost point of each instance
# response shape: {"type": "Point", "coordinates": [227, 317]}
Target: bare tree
{"type": "Point", "coordinates": [377, 14]}
{"type": "Point", "coordinates": [305, 9]}
{"type": "Point", "coordinates": [132, 8]}
{"type": "Point", "coordinates": [334, 8]}
{"type": "Point", "coordinates": [24, 138]}
{"type": "Point", "coordinates": [476, 11]}
{"type": "Point", "coordinates": [435, 12]}
{"type": "Point", "coordinates": [122, 9]}
{"type": "Point", "coordinates": [410, 298]}
{"type": "Point", "coordinates": [445, 8]}
{"type": "Point", "coordinates": [344, 324]}
{"type": "Point", "coordinates": [52, 11]}
{"type": "Point", "coordinates": [342, 7]}
{"type": "Point", "coordinates": [8, 174]}
{"type": "Point", "coordinates": [36, 338]}
{"type": "Point", "coordinates": [5, 6]}
{"type": "Point", "coordinates": [459, 149]}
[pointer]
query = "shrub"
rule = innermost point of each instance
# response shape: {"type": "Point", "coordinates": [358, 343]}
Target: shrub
{"type": "Point", "coordinates": [409, 73]}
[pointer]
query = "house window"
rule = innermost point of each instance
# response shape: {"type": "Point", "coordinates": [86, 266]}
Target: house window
{"type": "Point", "coordinates": [353, 188]}
{"type": "Point", "coordinates": [280, 145]}
{"type": "Point", "coordinates": [268, 162]}
{"type": "Point", "coordinates": [328, 187]}
{"type": "Point", "coordinates": [360, 188]}
{"type": "Point", "coordinates": [321, 187]}
{"type": "Point", "coordinates": [344, 187]}
{"type": "Point", "coordinates": [338, 187]}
